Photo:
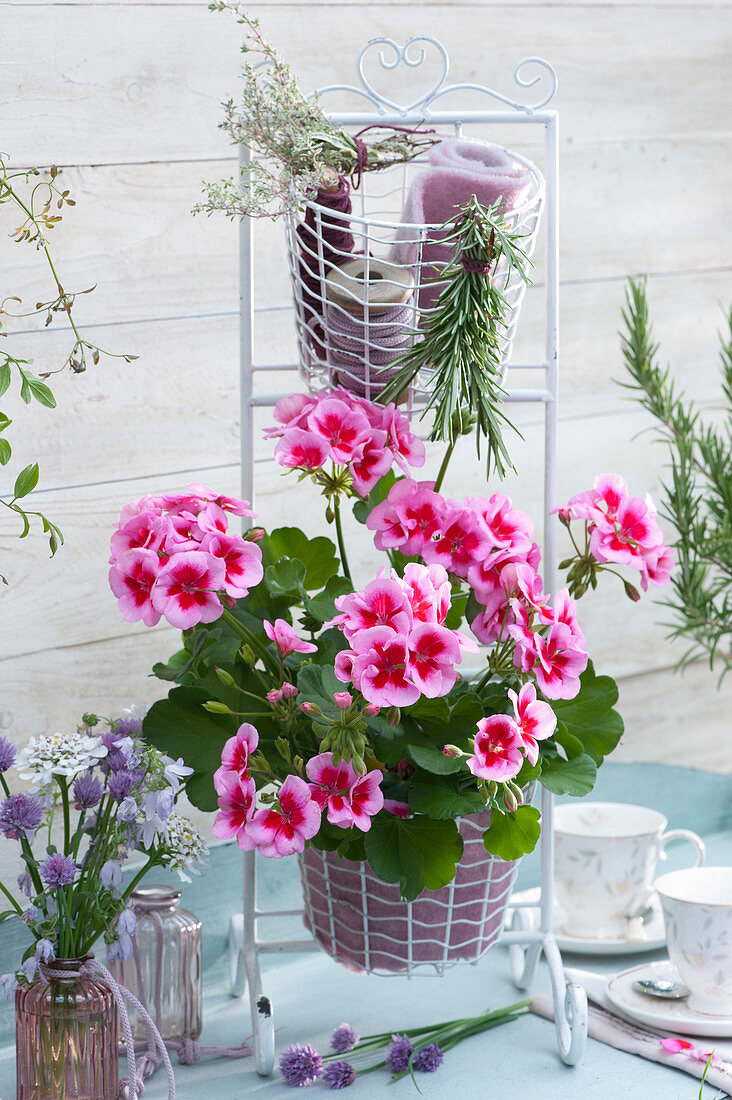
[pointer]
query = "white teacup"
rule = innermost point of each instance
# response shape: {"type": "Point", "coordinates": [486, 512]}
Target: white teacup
{"type": "Point", "coordinates": [697, 909]}
{"type": "Point", "coordinates": [605, 860]}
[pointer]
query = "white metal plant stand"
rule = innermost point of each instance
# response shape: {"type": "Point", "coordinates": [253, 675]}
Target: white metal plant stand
{"type": "Point", "coordinates": [525, 943]}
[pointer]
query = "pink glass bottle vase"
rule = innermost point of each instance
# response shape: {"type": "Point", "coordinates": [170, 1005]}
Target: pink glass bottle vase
{"type": "Point", "coordinates": [66, 1036]}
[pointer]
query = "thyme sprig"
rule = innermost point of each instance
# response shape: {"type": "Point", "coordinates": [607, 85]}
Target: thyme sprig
{"type": "Point", "coordinates": [296, 147]}
{"type": "Point", "coordinates": [460, 345]}
{"type": "Point", "coordinates": [698, 496]}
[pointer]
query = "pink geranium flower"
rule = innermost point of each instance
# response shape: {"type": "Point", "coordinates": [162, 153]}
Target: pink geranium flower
{"type": "Point", "coordinates": [394, 806]}
{"type": "Point", "coordinates": [633, 530]}
{"type": "Point", "coordinates": [283, 832]}
{"type": "Point", "coordinates": [235, 505]}
{"type": "Point", "coordinates": [285, 638]}
{"type": "Point", "coordinates": [560, 662]}
{"type": "Point", "coordinates": [383, 602]}
{"type": "Point", "coordinates": [508, 529]}
{"type": "Point", "coordinates": [380, 668]}
{"type": "Point", "coordinates": [132, 579]}
{"type": "Point", "coordinates": [563, 611]}
{"type": "Point", "coordinates": [186, 589]}
{"type": "Point", "coordinates": [340, 427]}
{"type": "Point", "coordinates": [601, 503]}
{"type": "Point", "coordinates": [365, 798]}
{"type": "Point", "coordinates": [428, 591]}
{"type": "Point", "coordinates": [461, 542]}
{"type": "Point", "coordinates": [329, 786]}
{"type": "Point", "coordinates": [144, 531]}
{"type": "Point", "coordinates": [242, 560]}
{"type": "Point", "coordinates": [237, 750]}
{"type": "Point", "coordinates": [236, 808]}
{"type": "Point", "coordinates": [656, 565]}
{"type": "Point", "coordinates": [291, 412]}
{"type": "Point", "coordinates": [369, 461]}
{"type": "Point", "coordinates": [498, 749]}
{"type": "Point", "coordinates": [407, 447]}
{"type": "Point", "coordinates": [433, 653]}
{"type": "Point", "coordinates": [304, 450]}
{"type": "Point", "coordinates": [534, 719]}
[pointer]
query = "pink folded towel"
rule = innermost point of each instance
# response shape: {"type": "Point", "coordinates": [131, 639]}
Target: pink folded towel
{"type": "Point", "coordinates": [459, 169]}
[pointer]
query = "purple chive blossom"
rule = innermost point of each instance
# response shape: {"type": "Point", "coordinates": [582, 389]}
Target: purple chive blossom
{"type": "Point", "coordinates": [428, 1059]}
{"type": "Point", "coordinates": [339, 1075]}
{"type": "Point", "coordinates": [300, 1065]}
{"type": "Point", "coordinates": [119, 785]}
{"type": "Point", "coordinates": [7, 754]}
{"type": "Point", "coordinates": [58, 870]}
{"type": "Point", "coordinates": [20, 816]}
{"type": "Point", "coordinates": [87, 791]}
{"type": "Point", "coordinates": [344, 1038]}
{"type": "Point", "coordinates": [400, 1052]}
{"type": "Point", "coordinates": [128, 727]}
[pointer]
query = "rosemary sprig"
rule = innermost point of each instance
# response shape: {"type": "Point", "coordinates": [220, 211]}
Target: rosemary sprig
{"type": "Point", "coordinates": [460, 344]}
{"type": "Point", "coordinates": [698, 497]}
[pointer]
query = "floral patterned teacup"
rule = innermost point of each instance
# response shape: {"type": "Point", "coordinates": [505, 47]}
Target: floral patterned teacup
{"type": "Point", "coordinates": [697, 909]}
{"type": "Point", "coordinates": [605, 859]}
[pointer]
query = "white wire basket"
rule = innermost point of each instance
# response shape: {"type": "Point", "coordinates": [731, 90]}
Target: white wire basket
{"type": "Point", "coordinates": [361, 922]}
{"type": "Point", "coordinates": [357, 310]}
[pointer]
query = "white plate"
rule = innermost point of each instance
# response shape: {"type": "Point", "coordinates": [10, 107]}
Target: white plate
{"type": "Point", "coordinates": [581, 945]}
{"type": "Point", "coordinates": [665, 1015]}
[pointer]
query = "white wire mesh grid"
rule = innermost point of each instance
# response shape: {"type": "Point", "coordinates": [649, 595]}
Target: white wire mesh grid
{"type": "Point", "coordinates": [380, 237]}
{"type": "Point", "coordinates": [361, 921]}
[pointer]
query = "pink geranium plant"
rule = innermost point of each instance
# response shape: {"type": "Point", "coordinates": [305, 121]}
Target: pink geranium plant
{"type": "Point", "coordinates": [362, 715]}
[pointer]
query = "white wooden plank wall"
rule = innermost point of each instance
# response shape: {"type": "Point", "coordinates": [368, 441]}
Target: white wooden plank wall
{"type": "Point", "coordinates": [125, 95]}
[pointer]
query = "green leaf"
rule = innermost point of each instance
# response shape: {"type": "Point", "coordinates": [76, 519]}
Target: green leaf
{"type": "Point", "coordinates": [286, 577]}
{"type": "Point", "coordinates": [318, 684]}
{"type": "Point", "coordinates": [5, 452]}
{"type": "Point", "coordinates": [457, 610]}
{"type": "Point", "coordinates": [7, 913]}
{"type": "Point", "coordinates": [180, 726]}
{"type": "Point", "coordinates": [440, 800]}
{"type": "Point", "coordinates": [26, 481]}
{"type": "Point", "coordinates": [590, 716]}
{"type": "Point", "coordinates": [434, 760]}
{"type": "Point", "coordinates": [5, 421]}
{"type": "Point", "coordinates": [419, 853]}
{"type": "Point", "coordinates": [575, 777]}
{"type": "Point", "coordinates": [511, 835]}
{"type": "Point", "coordinates": [40, 390]}
{"type": "Point", "coordinates": [572, 745]}
{"type": "Point", "coordinates": [318, 555]}
{"type": "Point", "coordinates": [322, 606]}
{"type": "Point", "coordinates": [5, 377]}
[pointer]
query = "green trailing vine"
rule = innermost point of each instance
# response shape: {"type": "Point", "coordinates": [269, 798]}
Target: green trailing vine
{"type": "Point", "coordinates": [698, 495]}
{"type": "Point", "coordinates": [38, 201]}
{"type": "Point", "coordinates": [460, 340]}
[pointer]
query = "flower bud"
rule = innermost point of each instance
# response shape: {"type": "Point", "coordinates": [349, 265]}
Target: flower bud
{"type": "Point", "coordinates": [509, 800]}
{"type": "Point", "coordinates": [225, 677]}
{"type": "Point", "coordinates": [392, 716]}
{"type": "Point", "coordinates": [254, 534]}
{"type": "Point", "coordinates": [213, 706]}
{"type": "Point", "coordinates": [283, 748]}
{"type": "Point", "coordinates": [632, 592]}
{"type": "Point", "coordinates": [311, 708]}
{"type": "Point", "coordinates": [275, 695]}
{"type": "Point", "coordinates": [371, 709]}
{"type": "Point", "coordinates": [289, 691]}
{"type": "Point", "coordinates": [247, 654]}
{"type": "Point", "coordinates": [343, 699]}
{"type": "Point", "coordinates": [452, 750]}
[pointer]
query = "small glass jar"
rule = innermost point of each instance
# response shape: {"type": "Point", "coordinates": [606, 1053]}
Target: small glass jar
{"type": "Point", "coordinates": [66, 1036]}
{"type": "Point", "coordinates": [168, 943]}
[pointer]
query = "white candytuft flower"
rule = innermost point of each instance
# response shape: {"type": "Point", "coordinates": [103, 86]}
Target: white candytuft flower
{"type": "Point", "coordinates": [66, 754]}
{"type": "Point", "coordinates": [184, 846]}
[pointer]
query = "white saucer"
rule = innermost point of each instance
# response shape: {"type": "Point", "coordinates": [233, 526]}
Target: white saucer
{"type": "Point", "coordinates": [581, 945]}
{"type": "Point", "coordinates": [665, 1015]}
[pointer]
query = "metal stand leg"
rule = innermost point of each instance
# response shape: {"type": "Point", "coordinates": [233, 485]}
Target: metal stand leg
{"type": "Point", "coordinates": [570, 1009]}
{"type": "Point", "coordinates": [244, 970]}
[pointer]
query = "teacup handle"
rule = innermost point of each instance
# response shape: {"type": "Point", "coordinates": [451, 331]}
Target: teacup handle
{"type": "Point", "coordinates": [684, 834]}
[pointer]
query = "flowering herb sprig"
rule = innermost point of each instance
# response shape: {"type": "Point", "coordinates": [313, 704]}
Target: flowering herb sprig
{"type": "Point", "coordinates": [297, 147]}
{"type": "Point", "coordinates": [115, 797]}
{"type": "Point", "coordinates": [407, 1050]}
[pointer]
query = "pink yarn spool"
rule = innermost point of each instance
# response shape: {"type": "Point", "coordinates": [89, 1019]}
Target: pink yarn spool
{"type": "Point", "coordinates": [369, 322]}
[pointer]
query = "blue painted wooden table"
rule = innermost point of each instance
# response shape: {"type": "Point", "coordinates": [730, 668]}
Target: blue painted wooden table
{"type": "Point", "coordinates": [311, 994]}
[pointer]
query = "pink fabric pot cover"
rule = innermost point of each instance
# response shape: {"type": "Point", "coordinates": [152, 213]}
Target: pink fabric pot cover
{"type": "Point", "coordinates": [361, 922]}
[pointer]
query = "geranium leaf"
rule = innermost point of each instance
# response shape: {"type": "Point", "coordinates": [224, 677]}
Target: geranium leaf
{"type": "Point", "coordinates": [590, 716]}
{"type": "Point", "coordinates": [511, 835]}
{"type": "Point", "coordinates": [440, 800]}
{"type": "Point", "coordinates": [434, 760]}
{"type": "Point", "coordinates": [286, 578]}
{"type": "Point", "coordinates": [318, 555]}
{"type": "Point", "coordinates": [322, 606]}
{"type": "Point", "coordinates": [418, 853]}
{"type": "Point", "coordinates": [575, 777]}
